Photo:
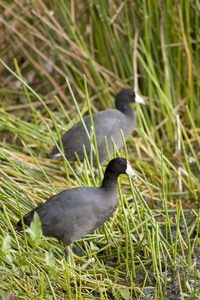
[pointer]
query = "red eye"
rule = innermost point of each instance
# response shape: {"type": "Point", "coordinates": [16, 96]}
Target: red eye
{"type": "Point", "coordinates": [121, 164]}
{"type": "Point", "coordinates": [131, 94]}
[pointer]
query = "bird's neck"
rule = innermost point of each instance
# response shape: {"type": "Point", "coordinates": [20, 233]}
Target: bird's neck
{"type": "Point", "coordinates": [109, 181]}
{"type": "Point", "coordinates": [124, 107]}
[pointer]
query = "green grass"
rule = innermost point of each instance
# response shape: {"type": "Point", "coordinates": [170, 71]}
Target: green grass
{"type": "Point", "coordinates": [148, 246]}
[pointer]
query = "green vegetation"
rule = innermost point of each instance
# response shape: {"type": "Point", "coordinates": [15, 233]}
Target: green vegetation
{"type": "Point", "coordinates": [150, 246]}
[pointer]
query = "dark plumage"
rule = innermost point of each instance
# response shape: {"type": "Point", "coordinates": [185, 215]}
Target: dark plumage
{"type": "Point", "coordinates": [107, 123]}
{"type": "Point", "coordinates": [73, 213]}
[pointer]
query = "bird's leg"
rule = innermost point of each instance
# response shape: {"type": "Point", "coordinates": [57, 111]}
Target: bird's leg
{"type": "Point", "coordinates": [69, 256]}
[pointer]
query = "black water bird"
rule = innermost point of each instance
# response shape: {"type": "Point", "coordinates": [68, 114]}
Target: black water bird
{"type": "Point", "coordinates": [73, 213]}
{"type": "Point", "coordinates": [107, 123]}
